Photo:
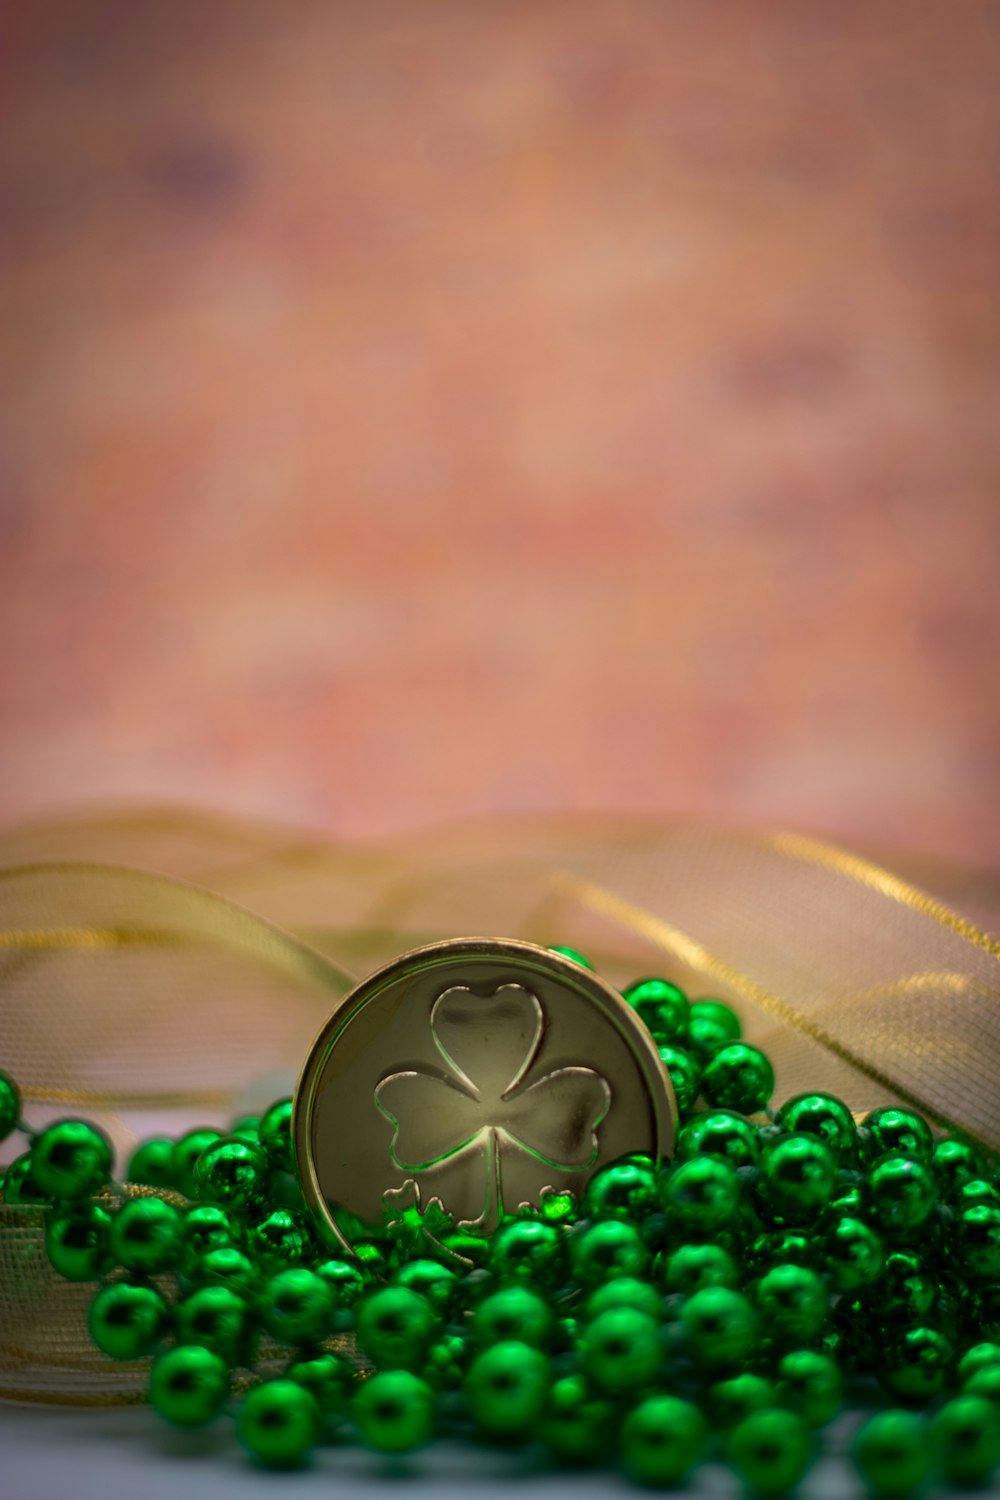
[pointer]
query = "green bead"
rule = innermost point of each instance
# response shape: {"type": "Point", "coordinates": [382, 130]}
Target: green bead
{"type": "Point", "coordinates": [793, 1303]}
{"type": "Point", "coordinates": [661, 1006]}
{"type": "Point", "coordinates": [394, 1411]}
{"type": "Point", "coordinates": [797, 1179]}
{"type": "Point", "coordinates": [188, 1386]}
{"type": "Point", "coordinates": [901, 1192]}
{"type": "Point", "coordinates": [226, 1267]}
{"type": "Point", "coordinates": [219, 1319]}
{"type": "Point", "coordinates": [854, 1255]}
{"type": "Point", "coordinates": [914, 1367]}
{"type": "Point", "coordinates": [824, 1116]}
{"type": "Point", "coordinates": [701, 1197]}
{"type": "Point", "coordinates": [965, 1440]}
{"type": "Point", "coordinates": [556, 1207]}
{"type": "Point", "coordinates": [280, 1239]}
{"type": "Point", "coordinates": [76, 1242]}
{"type": "Point", "coordinates": [278, 1424]}
{"type": "Point", "coordinates": [10, 1106]}
{"type": "Point", "coordinates": [977, 1241]}
{"type": "Point", "coordinates": [447, 1361]}
{"type": "Point", "coordinates": [776, 1246]}
{"type": "Point", "coordinates": [330, 1380]}
{"type": "Point", "coordinates": [621, 1350]}
{"type": "Point", "coordinates": [515, 1312]}
{"type": "Point", "coordinates": [730, 1401]}
{"type": "Point", "coordinates": [231, 1172]}
{"type": "Point", "coordinates": [430, 1279]}
{"type": "Point", "coordinates": [721, 1327]}
{"type": "Point", "coordinates": [530, 1249]}
{"type": "Point", "coordinates": [906, 1292]}
{"type": "Point", "coordinates": [577, 1425]}
{"type": "Point", "coordinates": [984, 1382]}
{"type": "Point", "coordinates": [624, 1291]}
{"type": "Point", "coordinates": [346, 1281]}
{"type": "Point", "coordinates": [275, 1135]}
{"type": "Point", "coordinates": [127, 1321]}
{"type": "Point", "coordinates": [662, 1440]}
{"type": "Point", "coordinates": [692, 1267]}
{"type": "Point", "coordinates": [207, 1226]}
{"type": "Point", "coordinates": [575, 956]}
{"type": "Point", "coordinates": [151, 1163]}
{"type": "Point", "coordinates": [395, 1328]}
{"type": "Point", "coordinates": [147, 1235]}
{"type": "Point", "coordinates": [684, 1072]}
{"type": "Point", "coordinates": [623, 1190]}
{"type": "Point", "coordinates": [896, 1130]}
{"type": "Point", "coordinates": [506, 1388]}
{"type": "Point", "coordinates": [246, 1128]}
{"type": "Point", "coordinates": [184, 1158]}
{"type": "Point", "coordinates": [20, 1185]}
{"type": "Point", "coordinates": [719, 1132]}
{"type": "Point", "coordinates": [980, 1357]}
{"type": "Point", "coordinates": [810, 1383]}
{"type": "Point", "coordinates": [771, 1450]}
{"type": "Point", "coordinates": [973, 1193]}
{"type": "Point", "coordinates": [296, 1307]}
{"type": "Point", "coordinates": [605, 1250]}
{"type": "Point", "coordinates": [738, 1077]}
{"type": "Point", "coordinates": [713, 1024]}
{"type": "Point", "coordinates": [891, 1453]}
{"type": "Point", "coordinates": [955, 1162]}
{"type": "Point", "coordinates": [71, 1159]}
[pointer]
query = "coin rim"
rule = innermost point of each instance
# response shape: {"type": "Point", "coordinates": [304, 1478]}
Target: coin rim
{"type": "Point", "coordinates": [651, 1065]}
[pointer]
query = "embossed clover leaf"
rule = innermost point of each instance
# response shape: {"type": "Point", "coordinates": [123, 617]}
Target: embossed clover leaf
{"type": "Point", "coordinates": [481, 1105]}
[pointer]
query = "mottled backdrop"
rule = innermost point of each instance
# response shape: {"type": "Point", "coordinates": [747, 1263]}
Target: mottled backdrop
{"type": "Point", "coordinates": [415, 410]}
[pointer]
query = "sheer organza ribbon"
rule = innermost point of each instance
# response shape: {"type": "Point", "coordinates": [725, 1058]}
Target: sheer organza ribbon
{"type": "Point", "coordinates": [158, 962]}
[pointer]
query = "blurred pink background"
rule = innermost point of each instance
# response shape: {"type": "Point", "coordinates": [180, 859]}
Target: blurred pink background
{"type": "Point", "coordinates": [415, 411]}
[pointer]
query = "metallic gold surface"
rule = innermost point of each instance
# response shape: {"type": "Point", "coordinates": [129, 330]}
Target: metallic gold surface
{"type": "Point", "coordinates": [471, 1076]}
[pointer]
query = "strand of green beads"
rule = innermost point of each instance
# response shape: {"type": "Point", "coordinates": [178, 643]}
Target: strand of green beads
{"type": "Point", "coordinates": [718, 1304]}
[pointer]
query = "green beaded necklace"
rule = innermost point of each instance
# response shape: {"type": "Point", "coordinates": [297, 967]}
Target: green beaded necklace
{"type": "Point", "coordinates": [721, 1303]}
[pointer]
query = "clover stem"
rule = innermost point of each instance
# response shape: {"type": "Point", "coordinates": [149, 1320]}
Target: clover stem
{"type": "Point", "coordinates": [493, 1210]}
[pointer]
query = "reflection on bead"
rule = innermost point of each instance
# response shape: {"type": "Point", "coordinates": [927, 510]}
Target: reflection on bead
{"type": "Point", "coordinates": [719, 1132]}
{"type": "Point", "coordinates": [793, 1303]}
{"type": "Point", "coordinates": [661, 1006]}
{"type": "Point", "coordinates": [797, 1179]}
{"type": "Point", "coordinates": [274, 1132]}
{"type": "Point", "coordinates": [701, 1197]}
{"type": "Point", "coordinates": [577, 1424]}
{"type": "Point", "coordinates": [232, 1172]}
{"type": "Point", "coordinates": [691, 1267]}
{"type": "Point", "coordinates": [771, 1449]}
{"type": "Point", "coordinates": [965, 1439]}
{"type": "Point", "coordinates": [621, 1350]}
{"type": "Point", "coordinates": [76, 1242]}
{"type": "Point", "coordinates": [662, 1440]}
{"type": "Point", "coordinates": [610, 1248]}
{"type": "Point", "coordinates": [914, 1366]}
{"type": "Point", "coordinates": [684, 1072]}
{"type": "Point", "coordinates": [152, 1163]}
{"type": "Point", "coordinates": [280, 1239]}
{"type": "Point", "coordinates": [515, 1312]}
{"type": "Point", "coordinates": [622, 1190]}
{"type": "Point", "coordinates": [901, 1192]}
{"type": "Point", "coordinates": [711, 1025]}
{"type": "Point", "coordinates": [824, 1116]}
{"type": "Point", "coordinates": [810, 1383]}
{"type": "Point", "coordinates": [531, 1249]}
{"type": "Point", "coordinates": [395, 1327]}
{"type": "Point", "coordinates": [854, 1255]}
{"type": "Point", "coordinates": [147, 1235]}
{"type": "Point", "coordinates": [738, 1077]}
{"type": "Point", "coordinates": [71, 1159]}
{"type": "Point", "coordinates": [278, 1423]}
{"type": "Point", "coordinates": [891, 1453]}
{"type": "Point", "coordinates": [184, 1157]}
{"type": "Point", "coordinates": [10, 1106]}
{"type": "Point", "coordinates": [127, 1321]}
{"type": "Point", "coordinates": [328, 1378]}
{"type": "Point", "coordinates": [898, 1130]}
{"type": "Point", "coordinates": [731, 1400]}
{"type": "Point", "coordinates": [217, 1318]}
{"type": "Point", "coordinates": [20, 1185]}
{"type": "Point", "coordinates": [624, 1291]}
{"type": "Point", "coordinates": [296, 1307]}
{"type": "Point", "coordinates": [188, 1386]}
{"type": "Point", "coordinates": [721, 1327]}
{"type": "Point", "coordinates": [394, 1411]}
{"type": "Point", "coordinates": [507, 1388]}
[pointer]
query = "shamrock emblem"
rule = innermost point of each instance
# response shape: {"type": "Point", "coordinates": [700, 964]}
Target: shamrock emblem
{"type": "Point", "coordinates": [481, 1107]}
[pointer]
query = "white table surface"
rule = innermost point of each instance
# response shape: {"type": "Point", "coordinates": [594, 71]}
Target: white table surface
{"type": "Point", "coordinates": [47, 1453]}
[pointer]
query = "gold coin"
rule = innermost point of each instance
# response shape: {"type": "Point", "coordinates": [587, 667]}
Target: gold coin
{"type": "Point", "coordinates": [468, 1078]}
